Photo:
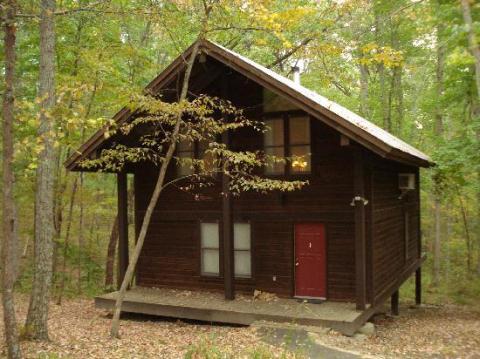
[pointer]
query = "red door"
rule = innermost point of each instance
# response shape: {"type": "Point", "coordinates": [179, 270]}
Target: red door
{"type": "Point", "coordinates": [310, 261]}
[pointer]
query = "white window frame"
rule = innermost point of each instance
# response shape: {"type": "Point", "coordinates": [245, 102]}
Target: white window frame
{"type": "Point", "coordinates": [204, 248]}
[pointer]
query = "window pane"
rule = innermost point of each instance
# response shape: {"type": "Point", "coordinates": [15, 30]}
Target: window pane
{"type": "Point", "coordinates": [301, 158]}
{"type": "Point", "coordinates": [185, 146]}
{"type": "Point", "coordinates": [243, 264]}
{"type": "Point", "coordinates": [210, 261]}
{"type": "Point", "coordinates": [184, 170]}
{"type": "Point", "coordinates": [274, 134]}
{"type": "Point", "coordinates": [184, 150]}
{"type": "Point", "coordinates": [209, 234]}
{"type": "Point", "coordinates": [208, 158]}
{"type": "Point", "coordinates": [273, 103]}
{"type": "Point", "coordinates": [273, 167]}
{"type": "Point", "coordinates": [241, 236]}
{"type": "Point", "coordinates": [299, 130]}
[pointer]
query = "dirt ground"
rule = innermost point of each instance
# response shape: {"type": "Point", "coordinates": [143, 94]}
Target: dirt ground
{"type": "Point", "coordinates": [78, 330]}
{"type": "Point", "coordinates": [419, 332]}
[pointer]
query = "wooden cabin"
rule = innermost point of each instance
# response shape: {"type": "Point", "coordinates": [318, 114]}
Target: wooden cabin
{"type": "Point", "coordinates": [351, 236]}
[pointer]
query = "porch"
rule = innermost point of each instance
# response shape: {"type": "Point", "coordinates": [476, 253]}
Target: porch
{"type": "Point", "coordinates": [244, 310]}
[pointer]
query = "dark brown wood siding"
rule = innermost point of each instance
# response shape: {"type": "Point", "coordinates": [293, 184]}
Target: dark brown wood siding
{"type": "Point", "coordinates": [392, 251]}
{"type": "Point", "coordinates": [171, 256]}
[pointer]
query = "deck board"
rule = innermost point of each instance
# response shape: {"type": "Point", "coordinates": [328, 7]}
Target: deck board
{"type": "Point", "coordinates": [212, 307]}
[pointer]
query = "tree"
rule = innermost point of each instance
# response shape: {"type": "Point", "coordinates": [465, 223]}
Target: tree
{"type": "Point", "coordinates": [187, 120]}
{"type": "Point", "coordinates": [475, 50]}
{"type": "Point", "coordinates": [36, 322]}
{"type": "Point", "coordinates": [9, 243]}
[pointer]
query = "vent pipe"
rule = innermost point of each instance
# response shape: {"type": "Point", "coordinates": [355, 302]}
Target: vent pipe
{"type": "Point", "coordinates": [296, 74]}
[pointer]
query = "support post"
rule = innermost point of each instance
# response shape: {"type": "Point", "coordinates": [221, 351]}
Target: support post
{"type": "Point", "coordinates": [227, 233]}
{"type": "Point", "coordinates": [394, 302]}
{"type": "Point", "coordinates": [360, 236]}
{"type": "Point", "coordinates": [122, 204]}
{"type": "Point", "coordinates": [418, 286]}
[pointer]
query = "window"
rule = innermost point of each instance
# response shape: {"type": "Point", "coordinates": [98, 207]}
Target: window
{"type": "Point", "coordinates": [242, 250]}
{"type": "Point", "coordinates": [210, 249]}
{"type": "Point", "coordinates": [295, 144]}
{"type": "Point", "coordinates": [274, 103]}
{"type": "Point", "coordinates": [194, 150]}
{"type": "Point", "coordinates": [274, 145]}
{"type": "Point", "coordinates": [208, 158]}
{"type": "Point", "coordinates": [299, 141]}
{"type": "Point", "coordinates": [185, 150]}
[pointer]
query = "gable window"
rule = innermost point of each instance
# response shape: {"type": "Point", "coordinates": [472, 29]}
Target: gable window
{"type": "Point", "coordinates": [185, 149]}
{"type": "Point", "coordinates": [299, 144]}
{"type": "Point", "coordinates": [274, 145]}
{"type": "Point", "coordinates": [210, 252]}
{"type": "Point", "coordinates": [210, 249]}
{"type": "Point", "coordinates": [194, 150]}
{"type": "Point", "coordinates": [288, 136]}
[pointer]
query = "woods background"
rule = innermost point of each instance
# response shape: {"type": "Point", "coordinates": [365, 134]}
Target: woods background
{"type": "Point", "coordinates": [406, 65]}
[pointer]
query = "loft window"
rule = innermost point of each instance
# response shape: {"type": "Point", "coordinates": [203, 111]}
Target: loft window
{"type": "Point", "coordinates": [274, 103]}
{"type": "Point", "coordinates": [210, 252]}
{"type": "Point", "coordinates": [194, 150]}
{"type": "Point", "coordinates": [274, 144]}
{"type": "Point", "coordinates": [210, 249]}
{"type": "Point", "coordinates": [288, 136]}
{"type": "Point", "coordinates": [242, 250]}
{"type": "Point", "coordinates": [207, 157]}
{"type": "Point", "coordinates": [299, 144]}
{"type": "Point", "coordinates": [185, 149]}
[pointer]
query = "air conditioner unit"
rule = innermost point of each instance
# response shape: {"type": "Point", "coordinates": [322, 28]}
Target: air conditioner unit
{"type": "Point", "coordinates": [406, 181]}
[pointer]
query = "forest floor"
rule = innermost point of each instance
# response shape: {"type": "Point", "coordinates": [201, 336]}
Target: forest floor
{"type": "Point", "coordinates": [78, 330]}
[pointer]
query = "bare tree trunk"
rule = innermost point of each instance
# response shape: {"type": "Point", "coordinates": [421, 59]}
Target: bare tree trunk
{"type": "Point", "coordinates": [36, 324]}
{"type": "Point", "coordinates": [364, 108]}
{"type": "Point", "coordinates": [437, 251]}
{"type": "Point", "coordinates": [437, 244]}
{"type": "Point", "coordinates": [386, 120]}
{"type": "Point", "coordinates": [112, 243]}
{"type": "Point", "coordinates": [114, 332]}
{"type": "Point", "coordinates": [61, 286]}
{"type": "Point", "coordinates": [80, 237]}
{"type": "Point", "coordinates": [475, 50]}
{"type": "Point", "coordinates": [9, 214]}
{"type": "Point", "coordinates": [472, 42]}
{"type": "Point", "coordinates": [468, 241]}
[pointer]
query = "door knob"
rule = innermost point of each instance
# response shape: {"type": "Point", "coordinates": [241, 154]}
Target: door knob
{"type": "Point", "coordinates": [297, 264]}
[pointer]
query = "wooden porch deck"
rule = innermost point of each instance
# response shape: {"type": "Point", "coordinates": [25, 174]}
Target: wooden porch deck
{"type": "Point", "coordinates": [212, 307]}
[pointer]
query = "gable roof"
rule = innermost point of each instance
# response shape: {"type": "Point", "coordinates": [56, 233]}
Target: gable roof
{"type": "Point", "coordinates": [343, 120]}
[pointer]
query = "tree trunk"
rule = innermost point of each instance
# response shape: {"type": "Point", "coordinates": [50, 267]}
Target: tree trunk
{"type": "Point", "coordinates": [386, 120]}
{"type": "Point", "coordinates": [472, 42]}
{"type": "Point", "coordinates": [468, 241]}
{"type": "Point", "coordinates": [61, 286]}
{"type": "Point", "coordinates": [437, 244]}
{"type": "Point", "coordinates": [36, 324]}
{"type": "Point", "coordinates": [364, 106]}
{"type": "Point", "coordinates": [9, 214]}
{"type": "Point", "coordinates": [475, 50]}
{"type": "Point", "coordinates": [114, 332]}
{"type": "Point", "coordinates": [109, 265]}
{"type": "Point", "coordinates": [81, 241]}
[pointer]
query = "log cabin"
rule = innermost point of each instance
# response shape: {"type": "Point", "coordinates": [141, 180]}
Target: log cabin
{"type": "Point", "coordinates": [351, 236]}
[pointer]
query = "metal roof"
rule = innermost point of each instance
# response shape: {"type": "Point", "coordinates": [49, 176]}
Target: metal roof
{"type": "Point", "coordinates": [334, 107]}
